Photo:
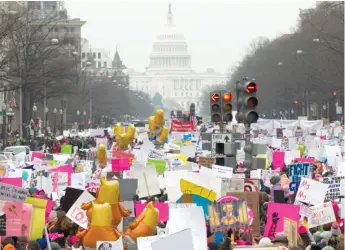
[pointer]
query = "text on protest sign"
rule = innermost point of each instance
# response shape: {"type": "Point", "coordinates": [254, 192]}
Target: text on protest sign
{"type": "Point", "coordinates": [321, 215]}
{"type": "Point", "coordinates": [334, 190]}
{"type": "Point", "coordinates": [296, 172]}
{"type": "Point", "coordinates": [12, 193]}
{"type": "Point", "coordinates": [311, 191]}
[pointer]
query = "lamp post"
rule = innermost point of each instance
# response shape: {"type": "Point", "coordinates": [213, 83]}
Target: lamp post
{"type": "Point", "coordinates": [34, 109]}
{"type": "Point", "coordinates": [84, 113]}
{"type": "Point", "coordinates": [78, 114]}
{"type": "Point", "coordinates": [55, 113]}
{"type": "Point", "coordinates": [10, 115]}
{"type": "Point", "coordinates": [46, 110]}
{"type": "Point", "coordinates": [61, 121]}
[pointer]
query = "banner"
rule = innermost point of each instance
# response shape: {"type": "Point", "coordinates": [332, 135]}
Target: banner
{"type": "Point", "coordinates": [180, 126]}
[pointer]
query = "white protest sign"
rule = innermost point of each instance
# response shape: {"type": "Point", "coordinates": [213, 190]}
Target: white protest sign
{"type": "Point", "coordinates": [156, 154]}
{"type": "Point", "coordinates": [179, 240]}
{"type": "Point", "coordinates": [181, 205]}
{"type": "Point", "coordinates": [110, 245]}
{"type": "Point", "coordinates": [12, 193]}
{"type": "Point", "coordinates": [222, 172]}
{"type": "Point", "coordinates": [76, 214]}
{"type": "Point", "coordinates": [78, 180]}
{"type": "Point", "coordinates": [334, 188]}
{"type": "Point", "coordinates": [60, 181]}
{"type": "Point", "coordinates": [144, 243]}
{"type": "Point", "coordinates": [321, 214]}
{"type": "Point", "coordinates": [103, 141]}
{"type": "Point", "coordinates": [195, 222]}
{"type": "Point", "coordinates": [311, 191]}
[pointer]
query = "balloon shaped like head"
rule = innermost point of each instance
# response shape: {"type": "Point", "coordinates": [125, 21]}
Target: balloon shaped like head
{"type": "Point", "coordinates": [143, 225]}
{"type": "Point", "coordinates": [102, 156]}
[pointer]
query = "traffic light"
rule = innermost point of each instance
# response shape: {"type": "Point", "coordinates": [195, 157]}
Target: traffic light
{"type": "Point", "coordinates": [216, 111]}
{"type": "Point", "coordinates": [199, 119]}
{"type": "Point", "coordinates": [179, 114]}
{"type": "Point", "coordinates": [334, 93]}
{"type": "Point", "coordinates": [246, 101]}
{"type": "Point", "coordinates": [227, 107]}
{"type": "Point", "coordinates": [192, 110]}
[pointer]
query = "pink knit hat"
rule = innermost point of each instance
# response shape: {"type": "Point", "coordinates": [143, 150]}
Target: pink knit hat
{"type": "Point", "coordinates": [302, 229]}
{"type": "Point", "coordinates": [73, 239]}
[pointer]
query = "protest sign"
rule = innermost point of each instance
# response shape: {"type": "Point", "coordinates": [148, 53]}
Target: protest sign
{"type": "Point", "coordinates": [76, 214]}
{"type": "Point", "coordinates": [334, 183]}
{"type": "Point", "coordinates": [251, 185]}
{"type": "Point", "coordinates": [12, 193]}
{"type": "Point", "coordinates": [296, 172]}
{"type": "Point", "coordinates": [311, 191]}
{"type": "Point", "coordinates": [290, 230]}
{"type": "Point", "coordinates": [321, 215]}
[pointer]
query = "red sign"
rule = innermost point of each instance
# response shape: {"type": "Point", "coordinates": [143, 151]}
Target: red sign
{"type": "Point", "coordinates": [179, 126]}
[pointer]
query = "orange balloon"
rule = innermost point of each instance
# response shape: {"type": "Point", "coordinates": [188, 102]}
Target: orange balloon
{"type": "Point", "coordinates": [102, 156]}
{"type": "Point", "coordinates": [144, 225]}
{"type": "Point", "coordinates": [109, 192]}
{"type": "Point", "coordinates": [100, 227]}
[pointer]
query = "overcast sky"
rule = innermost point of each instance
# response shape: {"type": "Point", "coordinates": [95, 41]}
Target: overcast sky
{"type": "Point", "coordinates": [218, 32]}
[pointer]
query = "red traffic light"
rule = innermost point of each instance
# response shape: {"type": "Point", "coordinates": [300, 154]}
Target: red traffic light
{"type": "Point", "coordinates": [227, 97]}
{"type": "Point", "coordinates": [295, 102]}
{"type": "Point", "coordinates": [251, 87]}
{"type": "Point", "coordinates": [334, 93]}
{"type": "Point", "coordinates": [214, 97]}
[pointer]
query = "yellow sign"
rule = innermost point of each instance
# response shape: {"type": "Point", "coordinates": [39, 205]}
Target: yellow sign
{"type": "Point", "coordinates": [290, 230]}
{"type": "Point", "coordinates": [188, 187]}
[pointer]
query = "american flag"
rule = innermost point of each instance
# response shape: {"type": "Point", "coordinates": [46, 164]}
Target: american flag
{"type": "Point", "coordinates": [12, 103]}
{"type": "Point", "coordinates": [194, 122]}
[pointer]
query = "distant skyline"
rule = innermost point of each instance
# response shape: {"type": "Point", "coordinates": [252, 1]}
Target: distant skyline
{"type": "Point", "coordinates": [218, 33]}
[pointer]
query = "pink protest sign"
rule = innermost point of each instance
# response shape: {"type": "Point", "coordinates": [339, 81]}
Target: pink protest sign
{"type": "Point", "coordinates": [66, 169]}
{"type": "Point", "coordinates": [26, 219]}
{"type": "Point", "coordinates": [305, 160]}
{"type": "Point", "coordinates": [275, 217]}
{"type": "Point", "coordinates": [10, 222]}
{"type": "Point", "coordinates": [14, 181]}
{"type": "Point", "coordinates": [49, 207]}
{"type": "Point", "coordinates": [163, 209]}
{"type": "Point", "coordinates": [121, 164]}
{"type": "Point", "coordinates": [278, 160]}
{"type": "Point", "coordinates": [37, 154]}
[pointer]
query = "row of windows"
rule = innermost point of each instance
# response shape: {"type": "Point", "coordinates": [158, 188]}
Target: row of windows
{"type": "Point", "coordinates": [98, 65]}
{"type": "Point", "coordinates": [99, 55]}
{"type": "Point", "coordinates": [170, 48]}
{"type": "Point", "coordinates": [175, 36]}
{"type": "Point", "coordinates": [187, 85]}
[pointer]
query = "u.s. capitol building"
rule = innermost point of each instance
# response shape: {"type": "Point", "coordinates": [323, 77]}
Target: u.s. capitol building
{"type": "Point", "coordinates": [170, 70]}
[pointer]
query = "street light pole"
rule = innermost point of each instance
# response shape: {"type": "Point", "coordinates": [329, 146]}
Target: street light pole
{"type": "Point", "coordinates": [84, 120]}
{"type": "Point", "coordinates": [61, 121]}
{"type": "Point", "coordinates": [34, 109]}
{"type": "Point", "coordinates": [55, 113]}
{"type": "Point", "coordinates": [78, 120]}
{"type": "Point", "coordinates": [46, 110]}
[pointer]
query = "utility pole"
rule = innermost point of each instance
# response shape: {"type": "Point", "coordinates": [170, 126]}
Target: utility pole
{"type": "Point", "coordinates": [44, 107]}
{"type": "Point", "coordinates": [90, 126]}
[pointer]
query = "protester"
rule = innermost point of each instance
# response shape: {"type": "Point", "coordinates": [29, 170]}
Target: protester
{"type": "Point", "coordinates": [33, 245]}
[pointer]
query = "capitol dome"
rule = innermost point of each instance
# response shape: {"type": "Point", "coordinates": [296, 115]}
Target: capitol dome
{"type": "Point", "coordinates": [170, 50]}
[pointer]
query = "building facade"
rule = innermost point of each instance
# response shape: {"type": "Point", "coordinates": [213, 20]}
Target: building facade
{"type": "Point", "coordinates": [170, 71]}
{"type": "Point", "coordinates": [100, 57]}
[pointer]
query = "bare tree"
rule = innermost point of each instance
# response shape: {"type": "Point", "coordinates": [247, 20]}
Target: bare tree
{"type": "Point", "coordinates": [40, 64]}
